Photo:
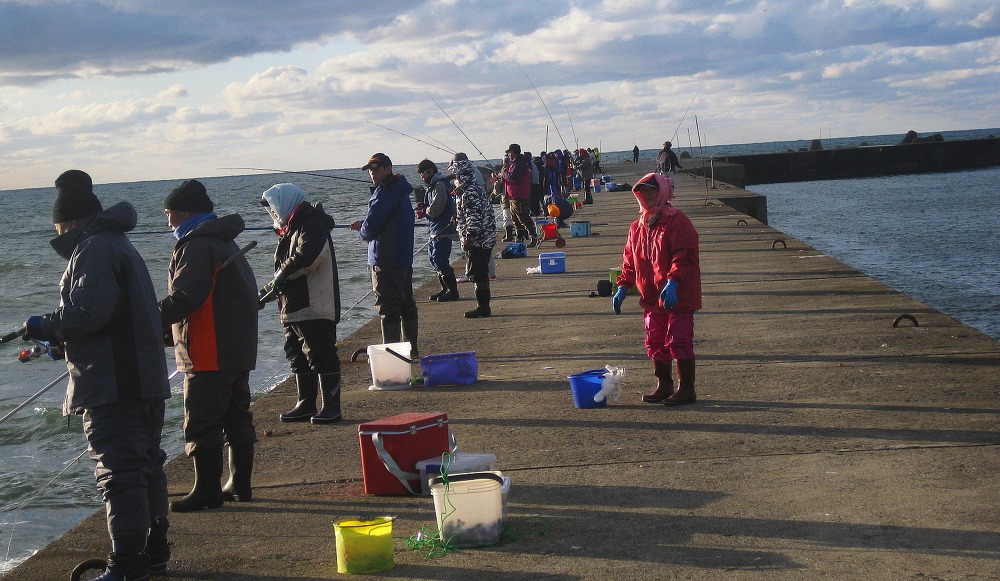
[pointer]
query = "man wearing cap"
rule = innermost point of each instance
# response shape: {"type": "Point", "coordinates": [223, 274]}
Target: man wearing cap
{"type": "Point", "coordinates": [666, 161]}
{"type": "Point", "coordinates": [211, 311]}
{"type": "Point", "coordinates": [388, 230]}
{"type": "Point", "coordinates": [516, 176]}
{"type": "Point", "coordinates": [109, 325]}
{"type": "Point", "coordinates": [438, 206]}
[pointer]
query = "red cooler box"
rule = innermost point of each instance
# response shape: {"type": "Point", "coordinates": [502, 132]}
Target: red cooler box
{"type": "Point", "coordinates": [391, 448]}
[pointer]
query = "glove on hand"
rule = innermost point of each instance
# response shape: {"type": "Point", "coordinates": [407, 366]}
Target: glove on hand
{"type": "Point", "coordinates": [618, 298]}
{"type": "Point", "coordinates": [36, 329]}
{"type": "Point", "coordinates": [55, 352]}
{"type": "Point", "coordinates": [668, 296]}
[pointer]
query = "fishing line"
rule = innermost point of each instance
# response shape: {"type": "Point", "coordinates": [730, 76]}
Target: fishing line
{"type": "Point", "coordinates": [459, 128]}
{"type": "Point", "coordinates": [543, 104]}
{"type": "Point", "coordinates": [443, 144]}
{"type": "Point", "coordinates": [305, 173]}
{"type": "Point", "coordinates": [412, 137]}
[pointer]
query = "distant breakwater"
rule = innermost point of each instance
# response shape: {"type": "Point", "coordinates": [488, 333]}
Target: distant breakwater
{"type": "Point", "coordinates": [867, 161]}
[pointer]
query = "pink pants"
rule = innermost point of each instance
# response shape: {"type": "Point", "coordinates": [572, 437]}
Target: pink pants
{"type": "Point", "coordinates": [669, 335]}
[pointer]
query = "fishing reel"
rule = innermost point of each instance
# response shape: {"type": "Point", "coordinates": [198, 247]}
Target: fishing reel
{"type": "Point", "coordinates": [40, 349]}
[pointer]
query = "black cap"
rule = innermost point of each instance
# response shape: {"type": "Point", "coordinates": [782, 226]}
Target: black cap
{"type": "Point", "coordinates": [425, 165]}
{"type": "Point", "coordinates": [377, 160]}
{"type": "Point", "coordinates": [74, 197]}
{"type": "Point", "coordinates": [190, 196]}
{"type": "Point", "coordinates": [514, 148]}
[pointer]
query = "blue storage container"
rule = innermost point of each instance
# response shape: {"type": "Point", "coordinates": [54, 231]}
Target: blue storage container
{"type": "Point", "coordinates": [579, 228]}
{"type": "Point", "coordinates": [552, 262]}
{"type": "Point", "coordinates": [517, 249]}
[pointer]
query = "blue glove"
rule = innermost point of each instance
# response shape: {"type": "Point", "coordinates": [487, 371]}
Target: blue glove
{"type": "Point", "coordinates": [668, 296]}
{"type": "Point", "coordinates": [35, 329]}
{"type": "Point", "coordinates": [618, 298]}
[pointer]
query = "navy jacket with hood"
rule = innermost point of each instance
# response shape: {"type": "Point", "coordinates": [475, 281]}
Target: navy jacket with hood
{"type": "Point", "coordinates": [388, 226]}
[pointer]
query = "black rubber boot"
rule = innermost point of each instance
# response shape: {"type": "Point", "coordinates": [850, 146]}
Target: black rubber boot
{"type": "Point", "coordinates": [156, 544]}
{"type": "Point", "coordinates": [508, 234]}
{"type": "Point", "coordinates": [409, 328]}
{"type": "Point", "coordinates": [128, 560]}
{"type": "Point", "coordinates": [305, 407]}
{"type": "Point", "coordinates": [444, 288]}
{"type": "Point", "coordinates": [207, 491]}
{"type": "Point", "coordinates": [329, 387]}
{"type": "Point", "coordinates": [664, 382]}
{"type": "Point", "coordinates": [483, 302]}
{"type": "Point", "coordinates": [451, 288]}
{"type": "Point", "coordinates": [239, 489]}
{"type": "Point", "coordinates": [391, 330]}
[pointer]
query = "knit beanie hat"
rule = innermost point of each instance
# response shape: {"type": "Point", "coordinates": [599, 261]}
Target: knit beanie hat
{"type": "Point", "coordinates": [190, 196]}
{"type": "Point", "coordinates": [74, 197]}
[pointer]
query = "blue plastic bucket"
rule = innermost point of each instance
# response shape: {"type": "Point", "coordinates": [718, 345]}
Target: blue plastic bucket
{"type": "Point", "coordinates": [585, 386]}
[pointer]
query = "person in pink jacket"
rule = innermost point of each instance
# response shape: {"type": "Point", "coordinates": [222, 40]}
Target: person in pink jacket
{"type": "Point", "coordinates": [661, 260]}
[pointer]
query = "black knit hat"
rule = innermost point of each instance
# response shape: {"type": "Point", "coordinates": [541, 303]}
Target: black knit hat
{"type": "Point", "coordinates": [74, 197]}
{"type": "Point", "coordinates": [190, 196]}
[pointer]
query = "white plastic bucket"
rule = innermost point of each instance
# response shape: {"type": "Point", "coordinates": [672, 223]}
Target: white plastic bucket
{"type": "Point", "coordinates": [470, 508]}
{"type": "Point", "coordinates": [388, 370]}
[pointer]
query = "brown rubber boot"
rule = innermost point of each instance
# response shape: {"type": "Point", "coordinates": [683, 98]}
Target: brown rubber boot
{"type": "Point", "coordinates": [664, 382]}
{"type": "Point", "coordinates": [685, 390]}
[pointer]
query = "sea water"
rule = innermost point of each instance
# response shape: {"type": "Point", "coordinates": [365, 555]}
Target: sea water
{"type": "Point", "coordinates": [931, 236]}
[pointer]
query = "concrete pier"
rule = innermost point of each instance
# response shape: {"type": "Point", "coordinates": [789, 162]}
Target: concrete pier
{"type": "Point", "coordinates": [827, 442]}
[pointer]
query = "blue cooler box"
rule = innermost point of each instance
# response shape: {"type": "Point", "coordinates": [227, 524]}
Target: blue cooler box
{"type": "Point", "coordinates": [552, 262]}
{"type": "Point", "coordinates": [517, 249]}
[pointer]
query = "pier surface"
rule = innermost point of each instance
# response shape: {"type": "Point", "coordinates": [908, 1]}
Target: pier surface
{"type": "Point", "coordinates": [826, 442]}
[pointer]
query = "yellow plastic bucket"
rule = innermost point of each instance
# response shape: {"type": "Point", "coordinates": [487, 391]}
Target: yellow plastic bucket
{"type": "Point", "coordinates": [364, 546]}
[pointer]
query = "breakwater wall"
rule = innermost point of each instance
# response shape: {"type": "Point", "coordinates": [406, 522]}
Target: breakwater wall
{"type": "Point", "coordinates": [868, 161]}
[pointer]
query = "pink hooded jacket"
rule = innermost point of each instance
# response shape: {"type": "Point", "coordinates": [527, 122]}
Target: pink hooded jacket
{"type": "Point", "coordinates": [662, 245]}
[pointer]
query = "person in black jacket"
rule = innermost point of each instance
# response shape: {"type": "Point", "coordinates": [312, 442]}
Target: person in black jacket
{"type": "Point", "coordinates": [109, 326]}
{"type": "Point", "coordinates": [308, 291]}
{"type": "Point", "coordinates": [212, 312]}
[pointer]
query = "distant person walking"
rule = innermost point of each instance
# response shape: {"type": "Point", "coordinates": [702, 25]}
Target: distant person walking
{"type": "Point", "coordinates": [661, 260]}
{"type": "Point", "coordinates": [635, 154]}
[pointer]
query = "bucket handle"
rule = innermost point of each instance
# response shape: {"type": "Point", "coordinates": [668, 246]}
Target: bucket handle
{"type": "Point", "coordinates": [390, 464]}
{"type": "Point", "coordinates": [400, 355]}
{"type": "Point", "coordinates": [469, 476]}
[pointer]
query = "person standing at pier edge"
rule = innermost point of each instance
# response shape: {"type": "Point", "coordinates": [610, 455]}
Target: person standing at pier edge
{"type": "Point", "coordinates": [635, 154]}
{"type": "Point", "coordinates": [438, 206]}
{"type": "Point", "coordinates": [212, 316]}
{"type": "Point", "coordinates": [516, 176]}
{"type": "Point", "coordinates": [308, 289]}
{"type": "Point", "coordinates": [585, 169]}
{"type": "Point", "coordinates": [477, 227]}
{"type": "Point", "coordinates": [388, 230]}
{"type": "Point", "coordinates": [666, 161]}
{"type": "Point", "coordinates": [661, 260]}
{"type": "Point", "coordinates": [109, 326]}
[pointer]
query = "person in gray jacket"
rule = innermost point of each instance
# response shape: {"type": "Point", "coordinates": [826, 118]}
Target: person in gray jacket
{"type": "Point", "coordinates": [211, 311]}
{"type": "Point", "coordinates": [438, 205]}
{"type": "Point", "coordinates": [308, 290]}
{"type": "Point", "coordinates": [109, 327]}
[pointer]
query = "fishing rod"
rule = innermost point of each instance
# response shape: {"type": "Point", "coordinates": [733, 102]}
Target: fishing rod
{"type": "Point", "coordinates": [34, 397]}
{"type": "Point", "coordinates": [543, 104]}
{"type": "Point", "coordinates": [685, 114]}
{"type": "Point", "coordinates": [571, 127]}
{"type": "Point", "coordinates": [305, 173]}
{"type": "Point", "coordinates": [412, 137]}
{"type": "Point", "coordinates": [12, 335]}
{"type": "Point", "coordinates": [459, 129]}
{"type": "Point", "coordinates": [443, 144]}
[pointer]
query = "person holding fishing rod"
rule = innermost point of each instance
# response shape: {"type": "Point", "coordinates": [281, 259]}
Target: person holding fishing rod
{"type": "Point", "coordinates": [516, 176]}
{"type": "Point", "coordinates": [388, 230]}
{"type": "Point", "coordinates": [210, 313]}
{"type": "Point", "coordinates": [108, 321]}
{"type": "Point", "coordinates": [476, 223]}
{"type": "Point", "coordinates": [307, 286]}
{"type": "Point", "coordinates": [438, 205]}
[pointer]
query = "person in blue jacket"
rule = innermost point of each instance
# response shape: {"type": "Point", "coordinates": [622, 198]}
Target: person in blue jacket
{"type": "Point", "coordinates": [388, 230]}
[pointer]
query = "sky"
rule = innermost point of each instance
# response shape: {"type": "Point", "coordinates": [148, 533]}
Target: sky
{"type": "Point", "coordinates": [132, 90]}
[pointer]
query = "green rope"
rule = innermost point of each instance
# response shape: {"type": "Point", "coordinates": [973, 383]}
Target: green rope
{"type": "Point", "coordinates": [429, 542]}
